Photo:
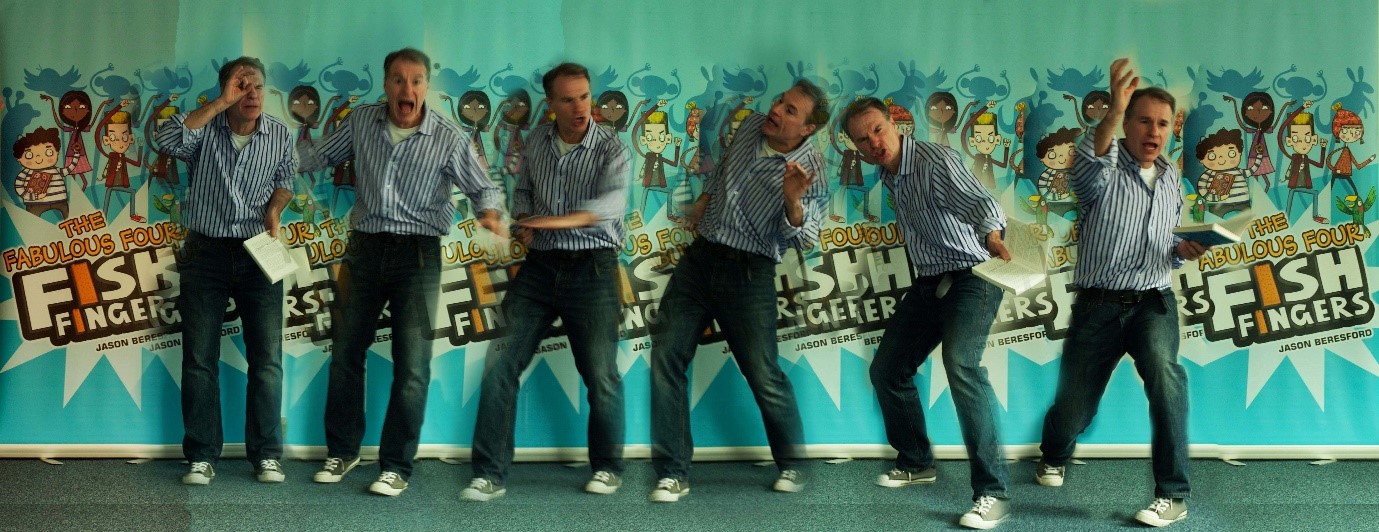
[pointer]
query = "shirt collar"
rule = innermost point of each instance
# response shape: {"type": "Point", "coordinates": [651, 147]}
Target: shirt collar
{"type": "Point", "coordinates": [429, 119]}
{"type": "Point", "coordinates": [222, 121]}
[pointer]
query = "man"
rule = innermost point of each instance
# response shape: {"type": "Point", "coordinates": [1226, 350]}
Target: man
{"type": "Point", "coordinates": [1131, 196]}
{"type": "Point", "coordinates": [950, 224]}
{"type": "Point", "coordinates": [241, 163]}
{"type": "Point", "coordinates": [406, 157]}
{"type": "Point", "coordinates": [569, 201]}
{"type": "Point", "coordinates": [763, 198]}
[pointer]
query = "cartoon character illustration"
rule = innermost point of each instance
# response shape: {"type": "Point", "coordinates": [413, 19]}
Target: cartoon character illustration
{"type": "Point", "coordinates": [474, 113]}
{"type": "Point", "coordinates": [343, 175]}
{"type": "Point", "coordinates": [1223, 184]}
{"type": "Point", "coordinates": [515, 113]}
{"type": "Point", "coordinates": [697, 163]}
{"type": "Point", "coordinates": [656, 136]}
{"type": "Point", "coordinates": [1094, 107]}
{"type": "Point", "coordinates": [728, 129]}
{"type": "Point", "coordinates": [1346, 128]}
{"type": "Point", "coordinates": [849, 175]}
{"type": "Point", "coordinates": [305, 205]}
{"type": "Point", "coordinates": [1198, 212]}
{"type": "Point", "coordinates": [1301, 136]}
{"type": "Point", "coordinates": [1057, 153]}
{"type": "Point", "coordinates": [40, 183]}
{"type": "Point", "coordinates": [1356, 209]}
{"type": "Point", "coordinates": [305, 110]}
{"type": "Point", "coordinates": [942, 116]}
{"type": "Point", "coordinates": [118, 137]}
{"type": "Point", "coordinates": [1017, 160]}
{"type": "Point", "coordinates": [1256, 116]}
{"type": "Point", "coordinates": [164, 166]}
{"type": "Point", "coordinates": [1176, 154]}
{"type": "Point", "coordinates": [1037, 207]}
{"type": "Point", "coordinates": [168, 204]}
{"type": "Point", "coordinates": [75, 119]}
{"type": "Point", "coordinates": [985, 137]}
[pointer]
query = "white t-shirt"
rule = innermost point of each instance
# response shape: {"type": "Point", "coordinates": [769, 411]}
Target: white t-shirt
{"type": "Point", "coordinates": [398, 134]}
{"type": "Point", "coordinates": [240, 141]}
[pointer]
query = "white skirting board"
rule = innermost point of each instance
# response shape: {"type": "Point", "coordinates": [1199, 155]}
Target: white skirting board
{"type": "Point", "coordinates": [575, 454]}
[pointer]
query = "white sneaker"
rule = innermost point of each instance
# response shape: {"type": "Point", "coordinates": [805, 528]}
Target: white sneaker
{"type": "Point", "coordinates": [483, 490]}
{"type": "Point", "coordinates": [603, 483]}
{"type": "Point", "coordinates": [270, 471]}
{"type": "Point", "coordinates": [789, 481]}
{"type": "Point", "coordinates": [1163, 512]}
{"type": "Point", "coordinates": [669, 490]}
{"type": "Point", "coordinates": [334, 470]}
{"type": "Point", "coordinates": [200, 474]}
{"type": "Point", "coordinates": [986, 513]}
{"type": "Point", "coordinates": [388, 483]}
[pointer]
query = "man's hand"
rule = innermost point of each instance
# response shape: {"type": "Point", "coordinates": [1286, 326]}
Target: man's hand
{"type": "Point", "coordinates": [797, 181]}
{"type": "Point", "coordinates": [1190, 250]}
{"type": "Point", "coordinates": [695, 212]}
{"type": "Point", "coordinates": [996, 246]}
{"type": "Point", "coordinates": [237, 87]}
{"type": "Point", "coordinates": [492, 220]}
{"type": "Point", "coordinates": [1124, 81]}
{"type": "Point", "coordinates": [271, 220]}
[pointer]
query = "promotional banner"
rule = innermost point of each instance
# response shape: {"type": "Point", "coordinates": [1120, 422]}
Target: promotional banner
{"type": "Point", "coordinates": [1272, 107]}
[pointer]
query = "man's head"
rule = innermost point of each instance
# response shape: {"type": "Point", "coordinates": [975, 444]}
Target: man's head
{"type": "Point", "coordinates": [407, 76]}
{"type": "Point", "coordinates": [567, 95]}
{"type": "Point", "coordinates": [984, 137]}
{"type": "Point", "coordinates": [1221, 150]}
{"type": "Point", "coordinates": [117, 134]}
{"type": "Point", "coordinates": [1056, 150]}
{"type": "Point", "coordinates": [1148, 124]}
{"type": "Point", "coordinates": [37, 150]}
{"type": "Point", "coordinates": [868, 122]}
{"type": "Point", "coordinates": [1302, 135]}
{"type": "Point", "coordinates": [250, 78]}
{"type": "Point", "coordinates": [796, 114]}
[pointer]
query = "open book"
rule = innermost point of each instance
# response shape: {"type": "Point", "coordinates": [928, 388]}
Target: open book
{"type": "Point", "coordinates": [1026, 268]}
{"type": "Point", "coordinates": [272, 256]}
{"type": "Point", "coordinates": [1214, 234]}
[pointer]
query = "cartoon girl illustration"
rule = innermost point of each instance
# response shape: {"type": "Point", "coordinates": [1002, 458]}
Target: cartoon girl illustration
{"type": "Point", "coordinates": [1256, 117]}
{"type": "Point", "coordinates": [1346, 129]}
{"type": "Point", "coordinates": [1094, 107]}
{"type": "Point", "coordinates": [164, 166]}
{"type": "Point", "coordinates": [516, 118]}
{"type": "Point", "coordinates": [75, 119]}
{"type": "Point", "coordinates": [474, 113]}
{"type": "Point", "coordinates": [305, 110]}
{"type": "Point", "coordinates": [942, 116]}
{"type": "Point", "coordinates": [849, 175]}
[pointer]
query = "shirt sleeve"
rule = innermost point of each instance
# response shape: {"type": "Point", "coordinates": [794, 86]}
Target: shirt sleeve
{"type": "Point", "coordinates": [329, 151]}
{"type": "Point", "coordinates": [522, 192]}
{"type": "Point", "coordinates": [960, 192]}
{"type": "Point", "coordinates": [1090, 172]}
{"type": "Point", "coordinates": [177, 140]}
{"type": "Point", "coordinates": [814, 203]}
{"type": "Point", "coordinates": [286, 171]}
{"type": "Point", "coordinates": [468, 175]}
{"type": "Point", "coordinates": [610, 203]}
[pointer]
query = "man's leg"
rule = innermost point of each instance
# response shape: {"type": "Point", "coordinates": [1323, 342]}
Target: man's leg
{"type": "Point", "coordinates": [414, 274]}
{"type": "Point", "coordinates": [203, 295]}
{"type": "Point", "coordinates": [1090, 353]}
{"type": "Point", "coordinates": [1152, 339]}
{"type": "Point", "coordinates": [260, 305]}
{"type": "Point", "coordinates": [911, 334]}
{"type": "Point", "coordinates": [681, 320]}
{"type": "Point", "coordinates": [360, 296]}
{"type": "Point", "coordinates": [968, 310]}
{"type": "Point", "coordinates": [590, 311]}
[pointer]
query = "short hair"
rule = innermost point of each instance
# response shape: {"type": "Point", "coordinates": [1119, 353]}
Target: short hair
{"type": "Point", "coordinates": [410, 55]}
{"type": "Point", "coordinates": [563, 69]}
{"type": "Point", "coordinates": [656, 117]}
{"type": "Point", "coordinates": [1153, 93]}
{"type": "Point", "coordinates": [119, 117]}
{"type": "Point", "coordinates": [1222, 137]}
{"type": "Point", "coordinates": [859, 106]}
{"type": "Point", "coordinates": [1064, 135]}
{"type": "Point", "coordinates": [820, 115]}
{"type": "Point", "coordinates": [42, 135]}
{"type": "Point", "coordinates": [984, 119]}
{"type": "Point", "coordinates": [741, 115]}
{"type": "Point", "coordinates": [229, 68]}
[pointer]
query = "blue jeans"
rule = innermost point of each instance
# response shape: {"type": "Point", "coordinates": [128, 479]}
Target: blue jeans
{"type": "Point", "coordinates": [580, 288]}
{"type": "Point", "coordinates": [959, 321]}
{"type": "Point", "coordinates": [738, 289]}
{"type": "Point", "coordinates": [211, 271]}
{"type": "Point", "coordinates": [403, 272]}
{"type": "Point", "coordinates": [1103, 330]}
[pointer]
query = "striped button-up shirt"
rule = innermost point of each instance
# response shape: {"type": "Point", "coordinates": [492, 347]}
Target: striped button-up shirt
{"type": "Point", "coordinates": [228, 189]}
{"type": "Point", "coordinates": [1127, 240]}
{"type": "Point", "coordinates": [746, 208]}
{"type": "Point", "coordinates": [405, 188]}
{"type": "Point", "coordinates": [592, 177]}
{"type": "Point", "coordinates": [943, 212]}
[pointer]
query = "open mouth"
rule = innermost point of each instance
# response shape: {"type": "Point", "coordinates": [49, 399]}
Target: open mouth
{"type": "Point", "coordinates": [406, 107]}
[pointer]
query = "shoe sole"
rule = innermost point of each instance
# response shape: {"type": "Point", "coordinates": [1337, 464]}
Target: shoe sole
{"type": "Point", "coordinates": [384, 489]}
{"type": "Point", "coordinates": [478, 496]}
{"type": "Point", "coordinates": [788, 488]}
{"type": "Point", "coordinates": [666, 496]}
{"type": "Point", "coordinates": [196, 481]}
{"type": "Point", "coordinates": [1052, 482]}
{"type": "Point", "coordinates": [271, 478]}
{"type": "Point", "coordinates": [1153, 519]}
{"type": "Point", "coordinates": [979, 523]}
{"type": "Point", "coordinates": [885, 482]}
{"type": "Point", "coordinates": [599, 488]}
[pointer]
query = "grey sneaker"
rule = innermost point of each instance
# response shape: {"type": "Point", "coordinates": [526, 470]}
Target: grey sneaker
{"type": "Point", "coordinates": [1163, 512]}
{"type": "Point", "coordinates": [483, 490]}
{"type": "Point", "coordinates": [789, 481]}
{"type": "Point", "coordinates": [334, 470]}
{"type": "Point", "coordinates": [388, 483]}
{"type": "Point", "coordinates": [1047, 475]}
{"type": "Point", "coordinates": [669, 490]}
{"type": "Point", "coordinates": [269, 471]}
{"type": "Point", "coordinates": [603, 483]}
{"type": "Point", "coordinates": [898, 478]}
{"type": "Point", "coordinates": [986, 513]}
{"type": "Point", "coordinates": [200, 474]}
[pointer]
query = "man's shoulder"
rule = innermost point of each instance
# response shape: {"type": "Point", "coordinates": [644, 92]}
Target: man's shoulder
{"type": "Point", "coordinates": [930, 152]}
{"type": "Point", "coordinates": [274, 126]}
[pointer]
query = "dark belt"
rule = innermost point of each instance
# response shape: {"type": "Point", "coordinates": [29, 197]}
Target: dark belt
{"type": "Point", "coordinates": [1127, 297]}
{"type": "Point", "coordinates": [720, 251]}
{"type": "Point", "coordinates": [569, 255]}
{"type": "Point", "coordinates": [394, 238]}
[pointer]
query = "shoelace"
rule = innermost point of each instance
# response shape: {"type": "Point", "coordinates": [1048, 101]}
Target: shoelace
{"type": "Point", "coordinates": [1048, 470]}
{"type": "Point", "coordinates": [200, 467]}
{"type": "Point", "coordinates": [479, 483]}
{"type": "Point", "coordinates": [898, 473]}
{"type": "Point", "coordinates": [983, 505]}
{"type": "Point", "coordinates": [790, 474]}
{"type": "Point", "coordinates": [388, 477]}
{"type": "Point", "coordinates": [1160, 505]}
{"type": "Point", "coordinates": [269, 465]}
{"type": "Point", "coordinates": [666, 484]}
{"type": "Point", "coordinates": [333, 463]}
{"type": "Point", "coordinates": [603, 476]}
